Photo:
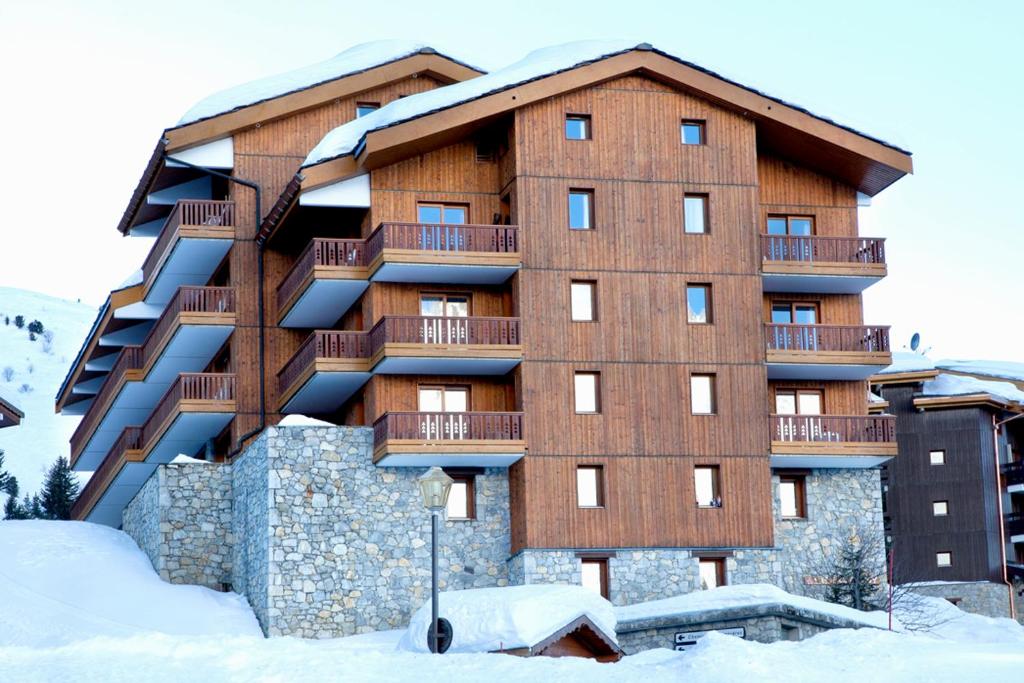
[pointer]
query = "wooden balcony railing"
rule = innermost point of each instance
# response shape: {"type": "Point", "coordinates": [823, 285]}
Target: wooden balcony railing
{"type": "Point", "coordinates": [418, 329]}
{"type": "Point", "coordinates": [1013, 473]}
{"type": "Point", "coordinates": [1014, 523]}
{"type": "Point", "coordinates": [129, 358]}
{"type": "Point", "coordinates": [187, 300]}
{"type": "Point", "coordinates": [495, 239]}
{"type": "Point", "coordinates": [320, 252]}
{"type": "Point", "coordinates": [195, 212]}
{"type": "Point", "coordinates": [856, 338]}
{"type": "Point", "coordinates": [811, 248]}
{"type": "Point", "coordinates": [1015, 570]}
{"type": "Point", "coordinates": [130, 439]}
{"type": "Point", "coordinates": [322, 344]}
{"type": "Point", "coordinates": [833, 428]}
{"type": "Point", "coordinates": [191, 386]}
{"type": "Point", "coordinates": [428, 427]}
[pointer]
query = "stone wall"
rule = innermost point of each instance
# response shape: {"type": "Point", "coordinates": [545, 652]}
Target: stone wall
{"type": "Point", "coordinates": [977, 597]}
{"type": "Point", "coordinates": [250, 527]}
{"type": "Point", "coordinates": [181, 518]}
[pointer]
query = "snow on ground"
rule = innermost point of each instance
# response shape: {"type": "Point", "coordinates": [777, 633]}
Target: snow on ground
{"type": "Point", "coordinates": [489, 619]}
{"type": "Point", "coordinates": [947, 621]}
{"type": "Point", "coordinates": [31, 448]}
{"type": "Point", "coordinates": [750, 595]}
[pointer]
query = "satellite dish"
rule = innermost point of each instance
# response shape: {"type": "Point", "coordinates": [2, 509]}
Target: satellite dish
{"type": "Point", "coordinates": [915, 341]}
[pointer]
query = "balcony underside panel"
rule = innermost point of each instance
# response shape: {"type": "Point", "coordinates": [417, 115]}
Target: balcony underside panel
{"type": "Point", "coordinates": [1019, 538]}
{"type": "Point", "coordinates": [132, 406]}
{"type": "Point", "coordinates": [77, 408]}
{"type": "Point", "coordinates": [325, 392]}
{"type": "Point", "coordinates": [466, 453]}
{"type": "Point", "coordinates": [324, 302]}
{"type": "Point", "coordinates": [448, 365]}
{"type": "Point", "coordinates": [127, 336]}
{"type": "Point", "coordinates": [1015, 488]}
{"type": "Point", "coordinates": [807, 461]}
{"type": "Point", "coordinates": [89, 387]}
{"type": "Point", "coordinates": [443, 273]}
{"type": "Point", "coordinates": [191, 262]}
{"type": "Point", "coordinates": [119, 493]}
{"type": "Point", "coordinates": [817, 283]}
{"type": "Point", "coordinates": [187, 434]}
{"type": "Point", "coordinates": [190, 350]}
{"type": "Point", "coordinates": [101, 363]}
{"type": "Point", "coordinates": [822, 371]}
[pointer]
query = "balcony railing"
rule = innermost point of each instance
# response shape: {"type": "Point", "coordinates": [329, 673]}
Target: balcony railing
{"type": "Point", "coordinates": [855, 338]}
{"type": "Point", "coordinates": [1013, 473]}
{"type": "Point", "coordinates": [429, 427]}
{"type": "Point", "coordinates": [833, 428]}
{"type": "Point", "coordinates": [1014, 523]}
{"type": "Point", "coordinates": [129, 358]}
{"type": "Point", "coordinates": [187, 300]}
{"type": "Point", "coordinates": [192, 386]}
{"type": "Point", "coordinates": [414, 329]}
{"type": "Point", "coordinates": [496, 239]}
{"type": "Point", "coordinates": [196, 212]}
{"type": "Point", "coordinates": [1015, 570]}
{"type": "Point", "coordinates": [130, 439]}
{"type": "Point", "coordinates": [810, 249]}
{"type": "Point", "coordinates": [322, 344]}
{"type": "Point", "coordinates": [320, 252]}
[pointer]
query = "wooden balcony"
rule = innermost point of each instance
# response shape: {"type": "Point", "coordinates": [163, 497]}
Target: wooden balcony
{"type": "Point", "coordinates": [416, 439]}
{"type": "Point", "coordinates": [1015, 570]}
{"type": "Point", "coordinates": [195, 409]}
{"type": "Point", "coordinates": [327, 369]}
{"type": "Point", "coordinates": [1013, 522]}
{"type": "Point", "coordinates": [114, 484]}
{"type": "Point", "coordinates": [192, 243]}
{"type": "Point", "coordinates": [831, 440]}
{"type": "Point", "coordinates": [447, 254]}
{"type": "Point", "coordinates": [445, 346]}
{"type": "Point", "coordinates": [822, 352]}
{"type": "Point", "coordinates": [827, 265]}
{"type": "Point", "coordinates": [328, 277]}
{"type": "Point", "coordinates": [1013, 476]}
{"type": "Point", "coordinates": [194, 325]}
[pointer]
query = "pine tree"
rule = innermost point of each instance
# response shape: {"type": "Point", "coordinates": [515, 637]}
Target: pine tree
{"type": "Point", "coordinates": [19, 321]}
{"type": "Point", "coordinates": [12, 510]}
{"type": "Point", "coordinates": [59, 491]}
{"type": "Point", "coordinates": [5, 478]}
{"type": "Point", "coordinates": [34, 510]}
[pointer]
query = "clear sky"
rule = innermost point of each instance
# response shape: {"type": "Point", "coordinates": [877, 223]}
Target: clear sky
{"type": "Point", "coordinates": [88, 87]}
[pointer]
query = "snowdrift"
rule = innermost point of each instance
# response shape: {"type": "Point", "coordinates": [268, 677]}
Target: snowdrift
{"type": "Point", "coordinates": [62, 582]}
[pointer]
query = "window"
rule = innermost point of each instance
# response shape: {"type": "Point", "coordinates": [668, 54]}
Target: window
{"type": "Point", "coordinates": [442, 214]}
{"type": "Point", "coordinates": [698, 303]}
{"type": "Point", "coordinates": [695, 213]}
{"type": "Point", "coordinates": [444, 305]}
{"type": "Point", "coordinates": [581, 209]}
{"type": "Point", "coordinates": [712, 572]}
{"type": "Point", "coordinates": [443, 399]}
{"type": "Point", "coordinates": [587, 392]}
{"type": "Point", "coordinates": [364, 108]}
{"type": "Point", "coordinates": [692, 132]}
{"type": "Point", "coordinates": [792, 497]}
{"type": "Point", "coordinates": [795, 312]}
{"type": "Point", "coordinates": [791, 225]}
{"type": "Point", "coordinates": [583, 296]}
{"type": "Point", "coordinates": [462, 498]}
{"type": "Point", "coordinates": [937, 457]}
{"type": "Point", "coordinates": [594, 575]}
{"type": "Point", "coordinates": [944, 559]}
{"type": "Point", "coordinates": [577, 126]}
{"type": "Point", "coordinates": [590, 486]}
{"type": "Point", "coordinates": [702, 394]}
{"type": "Point", "coordinates": [705, 483]}
{"type": "Point", "coordinates": [799, 401]}
{"type": "Point", "coordinates": [940, 508]}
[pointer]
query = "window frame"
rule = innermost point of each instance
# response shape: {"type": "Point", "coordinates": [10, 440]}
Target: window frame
{"type": "Point", "coordinates": [709, 315]}
{"type": "Point", "coordinates": [944, 513]}
{"type": "Point", "coordinates": [796, 392]}
{"type": "Point", "coordinates": [716, 487]}
{"type": "Point", "coordinates": [799, 482]}
{"type": "Point", "coordinates": [793, 305]}
{"type": "Point", "coordinates": [469, 479]}
{"type": "Point", "coordinates": [931, 457]}
{"type": "Point", "coordinates": [949, 554]}
{"type": "Point", "coordinates": [599, 486]}
{"type": "Point", "coordinates": [443, 206]}
{"type": "Point", "coordinates": [713, 391]}
{"type": "Point", "coordinates": [602, 564]}
{"type": "Point", "coordinates": [721, 575]}
{"type": "Point", "coordinates": [589, 194]}
{"type": "Point", "coordinates": [597, 392]}
{"type": "Point", "coordinates": [593, 301]}
{"type": "Point", "coordinates": [588, 126]}
{"type": "Point", "coordinates": [444, 390]}
{"type": "Point", "coordinates": [702, 127]}
{"type": "Point", "coordinates": [428, 293]}
{"type": "Point", "coordinates": [707, 212]}
{"type": "Point", "coordinates": [789, 218]}
{"type": "Point", "coordinates": [371, 106]}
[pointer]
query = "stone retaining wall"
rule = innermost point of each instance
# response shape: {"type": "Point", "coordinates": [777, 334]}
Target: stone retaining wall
{"type": "Point", "coordinates": [978, 597]}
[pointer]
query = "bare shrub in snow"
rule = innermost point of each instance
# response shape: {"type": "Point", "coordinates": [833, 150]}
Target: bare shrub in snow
{"type": "Point", "coordinates": [24, 389]}
{"type": "Point", "coordinates": [48, 336]}
{"type": "Point", "coordinates": [31, 368]}
{"type": "Point", "coordinates": [8, 373]}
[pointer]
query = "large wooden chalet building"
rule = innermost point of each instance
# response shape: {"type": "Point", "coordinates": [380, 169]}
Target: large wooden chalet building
{"type": "Point", "coordinates": [616, 295]}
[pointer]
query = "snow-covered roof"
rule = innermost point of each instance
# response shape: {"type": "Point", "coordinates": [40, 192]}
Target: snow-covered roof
{"type": "Point", "coordinates": [540, 63]}
{"type": "Point", "coordinates": [991, 368]}
{"type": "Point", "coordinates": [875, 398]}
{"type": "Point", "coordinates": [351, 61]}
{"type": "Point", "coordinates": [907, 361]}
{"type": "Point", "coordinates": [959, 385]}
{"type": "Point", "coordinates": [490, 619]}
{"type": "Point", "coordinates": [751, 595]}
{"type": "Point", "coordinates": [132, 280]}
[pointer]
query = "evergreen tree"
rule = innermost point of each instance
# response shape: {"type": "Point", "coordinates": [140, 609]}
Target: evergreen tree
{"type": "Point", "coordinates": [59, 491]}
{"type": "Point", "coordinates": [12, 510]}
{"type": "Point", "coordinates": [5, 478]}
{"type": "Point", "coordinates": [19, 321]}
{"type": "Point", "coordinates": [853, 569]}
{"type": "Point", "coordinates": [34, 510]}
{"type": "Point", "coordinates": [36, 327]}
{"type": "Point", "coordinates": [26, 507]}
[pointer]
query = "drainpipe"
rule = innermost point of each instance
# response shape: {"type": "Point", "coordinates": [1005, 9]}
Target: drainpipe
{"type": "Point", "coordinates": [259, 307]}
{"type": "Point", "coordinates": [996, 426]}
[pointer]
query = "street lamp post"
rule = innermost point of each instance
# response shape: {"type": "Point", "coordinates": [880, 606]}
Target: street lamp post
{"type": "Point", "coordinates": [435, 486]}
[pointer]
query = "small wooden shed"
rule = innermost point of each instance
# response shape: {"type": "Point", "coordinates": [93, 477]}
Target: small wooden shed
{"type": "Point", "coordinates": [579, 638]}
{"type": "Point", "coordinates": [9, 415]}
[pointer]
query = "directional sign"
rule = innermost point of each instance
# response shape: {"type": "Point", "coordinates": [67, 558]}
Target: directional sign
{"type": "Point", "coordinates": [685, 640]}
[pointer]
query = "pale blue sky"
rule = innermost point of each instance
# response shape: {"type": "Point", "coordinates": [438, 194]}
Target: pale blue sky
{"type": "Point", "coordinates": [90, 85]}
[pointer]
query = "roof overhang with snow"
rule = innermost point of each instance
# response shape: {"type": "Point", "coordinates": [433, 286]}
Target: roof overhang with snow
{"type": "Point", "coordinates": [868, 164]}
{"type": "Point", "coordinates": [10, 416]}
{"type": "Point", "coordinates": [915, 377]}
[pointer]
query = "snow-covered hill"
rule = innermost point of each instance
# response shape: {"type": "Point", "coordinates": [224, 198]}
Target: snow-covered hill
{"type": "Point", "coordinates": [37, 370]}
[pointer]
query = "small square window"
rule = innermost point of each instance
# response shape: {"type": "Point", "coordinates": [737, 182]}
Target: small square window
{"type": "Point", "coordinates": [364, 108]}
{"type": "Point", "coordinates": [587, 392]}
{"type": "Point", "coordinates": [792, 497]}
{"type": "Point", "coordinates": [581, 209]}
{"type": "Point", "coordinates": [577, 126]}
{"type": "Point", "coordinates": [940, 508]}
{"type": "Point", "coordinates": [698, 304]}
{"type": "Point", "coordinates": [695, 214]}
{"type": "Point", "coordinates": [712, 572]}
{"type": "Point", "coordinates": [583, 300]}
{"type": "Point", "coordinates": [692, 132]}
{"type": "Point", "coordinates": [594, 575]}
{"type": "Point", "coordinates": [461, 503]}
{"type": "Point", "coordinates": [705, 484]}
{"type": "Point", "coordinates": [937, 457]}
{"type": "Point", "coordinates": [702, 394]}
{"type": "Point", "coordinates": [590, 486]}
{"type": "Point", "coordinates": [944, 559]}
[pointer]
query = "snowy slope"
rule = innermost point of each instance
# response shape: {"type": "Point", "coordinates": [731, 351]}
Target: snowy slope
{"type": "Point", "coordinates": [67, 581]}
{"type": "Point", "coordinates": [43, 435]}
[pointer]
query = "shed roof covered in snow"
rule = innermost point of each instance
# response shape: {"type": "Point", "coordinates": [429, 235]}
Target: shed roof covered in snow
{"type": "Point", "coordinates": [10, 415]}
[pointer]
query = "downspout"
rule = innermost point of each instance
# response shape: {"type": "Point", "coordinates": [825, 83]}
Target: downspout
{"type": "Point", "coordinates": [999, 502]}
{"type": "Point", "coordinates": [259, 307]}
